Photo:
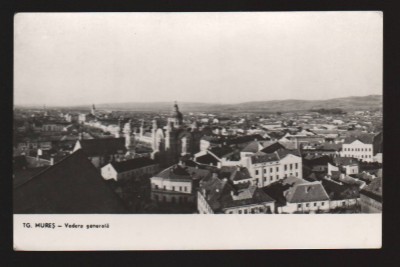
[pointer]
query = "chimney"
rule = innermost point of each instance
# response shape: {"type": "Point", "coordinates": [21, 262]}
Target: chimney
{"type": "Point", "coordinates": [52, 161]}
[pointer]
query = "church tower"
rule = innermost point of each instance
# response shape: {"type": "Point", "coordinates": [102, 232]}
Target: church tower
{"type": "Point", "coordinates": [127, 134]}
{"type": "Point", "coordinates": [154, 128]}
{"type": "Point", "coordinates": [176, 117]}
{"type": "Point", "coordinates": [93, 111]}
{"type": "Point", "coordinates": [141, 129]}
{"type": "Point", "coordinates": [120, 128]}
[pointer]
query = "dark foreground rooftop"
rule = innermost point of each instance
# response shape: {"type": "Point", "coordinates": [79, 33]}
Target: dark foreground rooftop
{"type": "Point", "coordinates": [72, 185]}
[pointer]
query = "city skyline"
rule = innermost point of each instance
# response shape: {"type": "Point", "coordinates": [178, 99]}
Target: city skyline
{"type": "Point", "coordinates": [79, 59]}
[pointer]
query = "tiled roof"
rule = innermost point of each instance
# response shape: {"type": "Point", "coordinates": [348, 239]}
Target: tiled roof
{"type": "Point", "coordinates": [207, 159]}
{"type": "Point", "coordinates": [72, 185]}
{"type": "Point", "coordinates": [260, 158]}
{"type": "Point", "coordinates": [221, 151]}
{"type": "Point", "coordinates": [240, 174]}
{"type": "Point", "coordinates": [252, 147]}
{"type": "Point", "coordinates": [364, 138]}
{"type": "Point", "coordinates": [223, 194]}
{"type": "Point", "coordinates": [250, 195]}
{"type": "Point", "coordinates": [23, 175]}
{"type": "Point", "coordinates": [338, 191]}
{"type": "Point", "coordinates": [374, 189]}
{"type": "Point", "coordinates": [104, 146]}
{"type": "Point", "coordinates": [345, 161]}
{"type": "Point", "coordinates": [306, 192]}
{"type": "Point", "coordinates": [272, 148]}
{"type": "Point", "coordinates": [179, 172]}
{"type": "Point", "coordinates": [123, 166]}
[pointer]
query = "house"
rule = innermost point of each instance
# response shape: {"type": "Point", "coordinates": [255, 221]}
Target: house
{"type": "Point", "coordinates": [371, 197]}
{"type": "Point", "coordinates": [71, 186]}
{"type": "Point", "coordinates": [347, 165]}
{"type": "Point", "coordinates": [341, 195]}
{"type": "Point", "coordinates": [136, 168]}
{"type": "Point", "coordinates": [223, 196]}
{"type": "Point", "coordinates": [295, 195]}
{"type": "Point", "coordinates": [177, 182]}
{"type": "Point", "coordinates": [102, 151]}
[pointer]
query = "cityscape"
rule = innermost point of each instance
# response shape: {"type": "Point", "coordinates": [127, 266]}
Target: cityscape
{"type": "Point", "coordinates": [122, 161]}
{"type": "Point", "coordinates": [198, 113]}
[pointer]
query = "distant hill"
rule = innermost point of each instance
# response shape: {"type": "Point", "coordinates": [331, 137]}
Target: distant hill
{"type": "Point", "coordinates": [346, 103]}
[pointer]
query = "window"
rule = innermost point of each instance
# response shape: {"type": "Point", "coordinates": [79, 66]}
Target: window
{"type": "Point", "coordinates": [298, 206]}
{"type": "Point", "coordinates": [156, 186]}
{"type": "Point", "coordinates": [277, 176]}
{"type": "Point", "coordinates": [165, 188]}
{"type": "Point", "coordinates": [271, 178]}
{"type": "Point", "coordinates": [323, 203]}
{"type": "Point", "coordinates": [297, 174]}
{"type": "Point", "coordinates": [240, 212]}
{"type": "Point", "coordinates": [180, 188]}
{"type": "Point", "coordinates": [265, 170]}
{"type": "Point", "coordinates": [291, 166]}
{"type": "Point", "coordinates": [343, 203]}
{"type": "Point", "coordinates": [245, 211]}
{"type": "Point", "coordinates": [315, 204]}
{"type": "Point", "coordinates": [296, 166]}
{"type": "Point", "coordinates": [265, 179]}
{"type": "Point", "coordinates": [271, 170]}
{"type": "Point", "coordinates": [173, 188]}
{"type": "Point", "coordinates": [308, 204]}
{"type": "Point", "coordinates": [277, 169]}
{"type": "Point", "coordinates": [256, 172]}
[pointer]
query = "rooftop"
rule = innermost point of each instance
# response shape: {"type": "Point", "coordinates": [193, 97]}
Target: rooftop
{"type": "Point", "coordinates": [72, 186]}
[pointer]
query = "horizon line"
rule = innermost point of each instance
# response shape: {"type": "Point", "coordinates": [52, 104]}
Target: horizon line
{"type": "Point", "coordinates": [197, 102]}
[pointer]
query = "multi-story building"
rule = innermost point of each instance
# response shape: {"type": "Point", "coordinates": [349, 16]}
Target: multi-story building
{"type": "Point", "coordinates": [358, 147]}
{"type": "Point", "coordinates": [223, 196]}
{"type": "Point", "coordinates": [267, 168]}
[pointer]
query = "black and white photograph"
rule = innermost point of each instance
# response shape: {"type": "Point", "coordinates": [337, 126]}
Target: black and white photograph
{"type": "Point", "coordinates": [256, 114]}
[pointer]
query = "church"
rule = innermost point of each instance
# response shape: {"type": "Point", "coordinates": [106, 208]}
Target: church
{"type": "Point", "coordinates": [174, 140]}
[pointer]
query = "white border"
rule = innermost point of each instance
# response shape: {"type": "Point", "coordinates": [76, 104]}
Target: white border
{"type": "Point", "coordinates": [200, 232]}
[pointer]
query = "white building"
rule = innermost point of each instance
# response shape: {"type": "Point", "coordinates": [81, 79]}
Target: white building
{"type": "Point", "coordinates": [137, 168]}
{"type": "Point", "coordinates": [178, 178]}
{"type": "Point", "coordinates": [267, 168]}
{"type": "Point", "coordinates": [304, 197]}
{"type": "Point", "coordinates": [358, 149]}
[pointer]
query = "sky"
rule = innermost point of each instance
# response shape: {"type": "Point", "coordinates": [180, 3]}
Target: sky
{"type": "Point", "coordinates": [84, 58]}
